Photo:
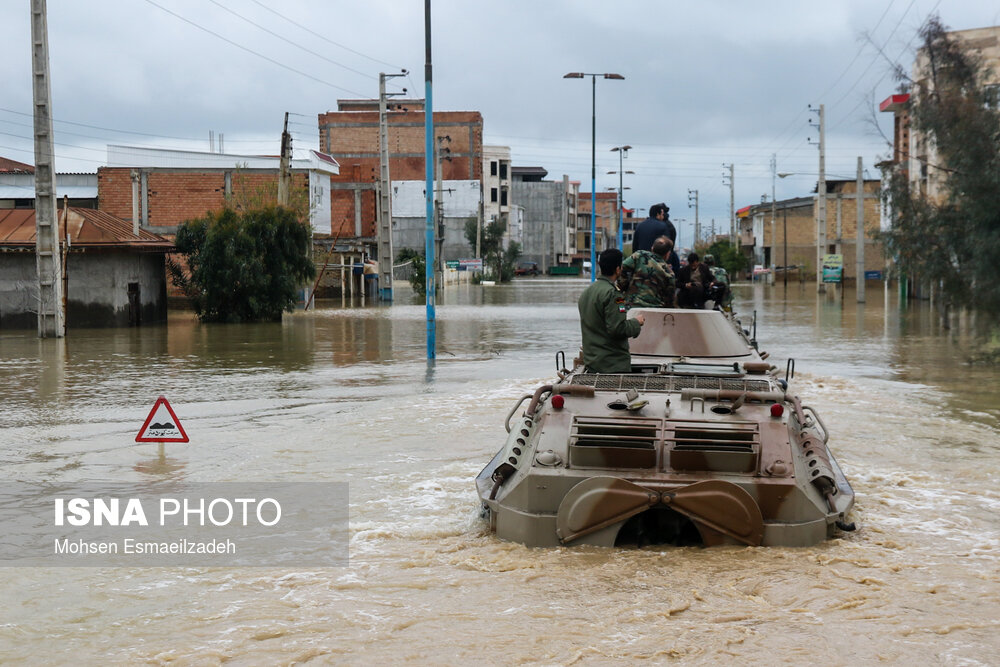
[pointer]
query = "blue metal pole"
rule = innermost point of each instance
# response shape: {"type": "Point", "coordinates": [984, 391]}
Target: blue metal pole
{"type": "Point", "coordinates": [621, 155]}
{"type": "Point", "coordinates": [593, 178]}
{"type": "Point", "coordinates": [429, 187]}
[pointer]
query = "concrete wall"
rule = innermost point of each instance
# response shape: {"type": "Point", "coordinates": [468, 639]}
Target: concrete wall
{"type": "Point", "coordinates": [410, 233]}
{"type": "Point", "coordinates": [97, 294]}
{"type": "Point", "coordinates": [543, 224]}
{"type": "Point", "coordinates": [458, 199]}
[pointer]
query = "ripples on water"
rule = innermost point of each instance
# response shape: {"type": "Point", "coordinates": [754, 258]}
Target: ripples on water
{"type": "Point", "coordinates": [345, 395]}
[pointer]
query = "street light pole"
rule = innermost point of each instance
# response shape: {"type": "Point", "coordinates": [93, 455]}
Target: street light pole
{"type": "Point", "coordinates": [593, 160]}
{"type": "Point", "coordinates": [622, 153]}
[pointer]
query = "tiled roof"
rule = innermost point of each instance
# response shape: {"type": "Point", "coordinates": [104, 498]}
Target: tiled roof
{"type": "Point", "coordinates": [87, 228]}
{"type": "Point", "coordinates": [8, 166]}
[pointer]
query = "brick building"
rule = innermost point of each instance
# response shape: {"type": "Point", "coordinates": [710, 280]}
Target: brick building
{"type": "Point", "coordinates": [164, 188]}
{"type": "Point", "coordinates": [350, 135]}
{"type": "Point", "coordinates": [765, 244]}
{"type": "Point", "coordinates": [606, 223]}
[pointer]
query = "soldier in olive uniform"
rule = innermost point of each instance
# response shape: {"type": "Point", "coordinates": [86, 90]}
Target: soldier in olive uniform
{"type": "Point", "coordinates": [646, 279]}
{"type": "Point", "coordinates": [603, 322]}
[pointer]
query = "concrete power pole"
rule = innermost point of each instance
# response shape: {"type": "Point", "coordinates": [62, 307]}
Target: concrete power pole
{"type": "Point", "coordinates": [821, 202]}
{"type": "Point", "coordinates": [50, 274]}
{"type": "Point", "coordinates": [774, 205]}
{"type": "Point", "coordinates": [439, 206]}
{"type": "Point", "coordinates": [693, 196]}
{"type": "Point", "coordinates": [859, 248]}
{"type": "Point", "coordinates": [284, 170]}
{"type": "Point", "coordinates": [732, 204]}
{"type": "Point", "coordinates": [385, 252]}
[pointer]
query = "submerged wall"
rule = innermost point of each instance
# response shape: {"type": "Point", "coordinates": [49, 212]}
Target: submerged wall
{"type": "Point", "coordinates": [98, 294]}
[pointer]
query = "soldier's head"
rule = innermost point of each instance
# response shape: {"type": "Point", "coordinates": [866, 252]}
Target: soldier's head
{"type": "Point", "coordinates": [610, 261]}
{"type": "Point", "coordinates": [662, 246]}
{"type": "Point", "coordinates": [709, 260]}
{"type": "Point", "coordinates": [659, 211]}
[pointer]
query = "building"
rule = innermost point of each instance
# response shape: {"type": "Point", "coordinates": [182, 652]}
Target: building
{"type": "Point", "coordinates": [113, 275]}
{"type": "Point", "coordinates": [549, 215]}
{"type": "Point", "coordinates": [17, 186]}
{"type": "Point", "coordinates": [496, 189]}
{"type": "Point", "coordinates": [789, 237]}
{"type": "Point", "coordinates": [606, 223]}
{"type": "Point", "coordinates": [351, 136]}
{"type": "Point", "coordinates": [164, 188]}
{"type": "Point", "coordinates": [912, 152]}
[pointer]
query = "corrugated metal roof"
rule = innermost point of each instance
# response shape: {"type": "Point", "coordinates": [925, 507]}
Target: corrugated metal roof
{"type": "Point", "coordinates": [158, 158]}
{"type": "Point", "coordinates": [87, 228]}
{"type": "Point", "coordinates": [71, 191]}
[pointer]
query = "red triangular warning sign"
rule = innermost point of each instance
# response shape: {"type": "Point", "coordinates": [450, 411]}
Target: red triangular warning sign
{"type": "Point", "coordinates": [162, 425]}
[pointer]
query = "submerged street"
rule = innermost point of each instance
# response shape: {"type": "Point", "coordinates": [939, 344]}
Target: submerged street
{"type": "Point", "coordinates": [341, 394]}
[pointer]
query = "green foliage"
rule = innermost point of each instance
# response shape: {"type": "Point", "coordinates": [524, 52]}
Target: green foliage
{"type": "Point", "coordinates": [418, 278]}
{"type": "Point", "coordinates": [728, 257]}
{"type": "Point", "coordinates": [243, 267]}
{"type": "Point", "coordinates": [953, 241]}
{"type": "Point", "coordinates": [498, 264]}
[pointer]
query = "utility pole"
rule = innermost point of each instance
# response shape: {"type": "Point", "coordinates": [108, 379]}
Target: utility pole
{"type": "Point", "coordinates": [693, 196]}
{"type": "Point", "coordinates": [732, 204]}
{"type": "Point", "coordinates": [51, 322]}
{"type": "Point", "coordinates": [384, 241]}
{"type": "Point", "coordinates": [821, 199]}
{"type": "Point", "coordinates": [284, 171]}
{"type": "Point", "coordinates": [428, 186]}
{"type": "Point", "coordinates": [774, 205]}
{"type": "Point", "coordinates": [439, 206]}
{"type": "Point", "coordinates": [859, 249]}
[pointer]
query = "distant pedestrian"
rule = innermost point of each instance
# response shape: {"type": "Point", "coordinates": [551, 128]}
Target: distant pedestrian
{"type": "Point", "coordinates": [604, 326]}
{"type": "Point", "coordinates": [647, 279]}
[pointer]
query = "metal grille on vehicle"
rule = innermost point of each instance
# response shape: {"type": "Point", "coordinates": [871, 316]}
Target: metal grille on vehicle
{"type": "Point", "coordinates": [625, 442]}
{"type": "Point", "coordinates": [665, 383]}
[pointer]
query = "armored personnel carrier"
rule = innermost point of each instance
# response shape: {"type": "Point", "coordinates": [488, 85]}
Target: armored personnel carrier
{"type": "Point", "coordinates": [701, 443]}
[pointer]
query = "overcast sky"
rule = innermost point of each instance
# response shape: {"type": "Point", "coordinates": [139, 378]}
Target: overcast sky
{"type": "Point", "coordinates": [705, 83]}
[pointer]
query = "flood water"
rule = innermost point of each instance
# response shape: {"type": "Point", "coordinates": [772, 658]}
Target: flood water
{"type": "Point", "coordinates": [346, 395]}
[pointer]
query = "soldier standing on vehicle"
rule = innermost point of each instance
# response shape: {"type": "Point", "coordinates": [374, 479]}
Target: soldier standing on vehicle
{"type": "Point", "coordinates": [647, 279]}
{"type": "Point", "coordinates": [603, 322]}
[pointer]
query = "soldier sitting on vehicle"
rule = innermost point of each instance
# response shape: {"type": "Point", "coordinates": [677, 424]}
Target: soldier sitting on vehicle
{"type": "Point", "coordinates": [646, 278]}
{"type": "Point", "coordinates": [718, 291]}
{"type": "Point", "coordinates": [693, 281]}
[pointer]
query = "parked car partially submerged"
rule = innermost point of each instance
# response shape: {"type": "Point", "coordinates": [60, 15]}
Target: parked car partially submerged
{"type": "Point", "coordinates": [527, 269]}
{"type": "Point", "coordinates": [701, 443]}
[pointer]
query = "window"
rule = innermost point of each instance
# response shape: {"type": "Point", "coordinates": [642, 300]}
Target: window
{"type": "Point", "coordinates": [503, 170]}
{"type": "Point", "coordinates": [503, 196]}
{"type": "Point", "coordinates": [493, 194]}
{"type": "Point", "coordinates": [493, 168]}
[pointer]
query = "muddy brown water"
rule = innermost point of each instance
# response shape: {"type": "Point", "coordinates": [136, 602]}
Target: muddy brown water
{"type": "Point", "coordinates": [346, 395]}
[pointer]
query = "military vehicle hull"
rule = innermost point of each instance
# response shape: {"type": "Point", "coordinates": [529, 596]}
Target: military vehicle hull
{"type": "Point", "coordinates": [702, 443]}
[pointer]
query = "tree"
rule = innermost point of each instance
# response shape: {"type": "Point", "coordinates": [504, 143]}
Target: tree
{"type": "Point", "coordinates": [498, 263]}
{"type": "Point", "coordinates": [728, 257]}
{"type": "Point", "coordinates": [953, 240]}
{"type": "Point", "coordinates": [243, 266]}
{"type": "Point", "coordinates": [418, 277]}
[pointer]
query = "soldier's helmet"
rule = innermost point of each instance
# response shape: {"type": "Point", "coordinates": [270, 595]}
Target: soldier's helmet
{"type": "Point", "coordinates": [709, 260]}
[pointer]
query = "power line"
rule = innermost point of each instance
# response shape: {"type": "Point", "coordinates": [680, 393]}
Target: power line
{"type": "Point", "coordinates": [296, 45]}
{"type": "Point", "coordinates": [326, 39]}
{"type": "Point", "coordinates": [251, 51]}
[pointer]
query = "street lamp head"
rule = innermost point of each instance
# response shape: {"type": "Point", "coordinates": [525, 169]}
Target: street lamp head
{"type": "Point", "coordinates": [573, 75]}
{"type": "Point", "coordinates": [611, 75]}
{"type": "Point", "coordinates": [783, 175]}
